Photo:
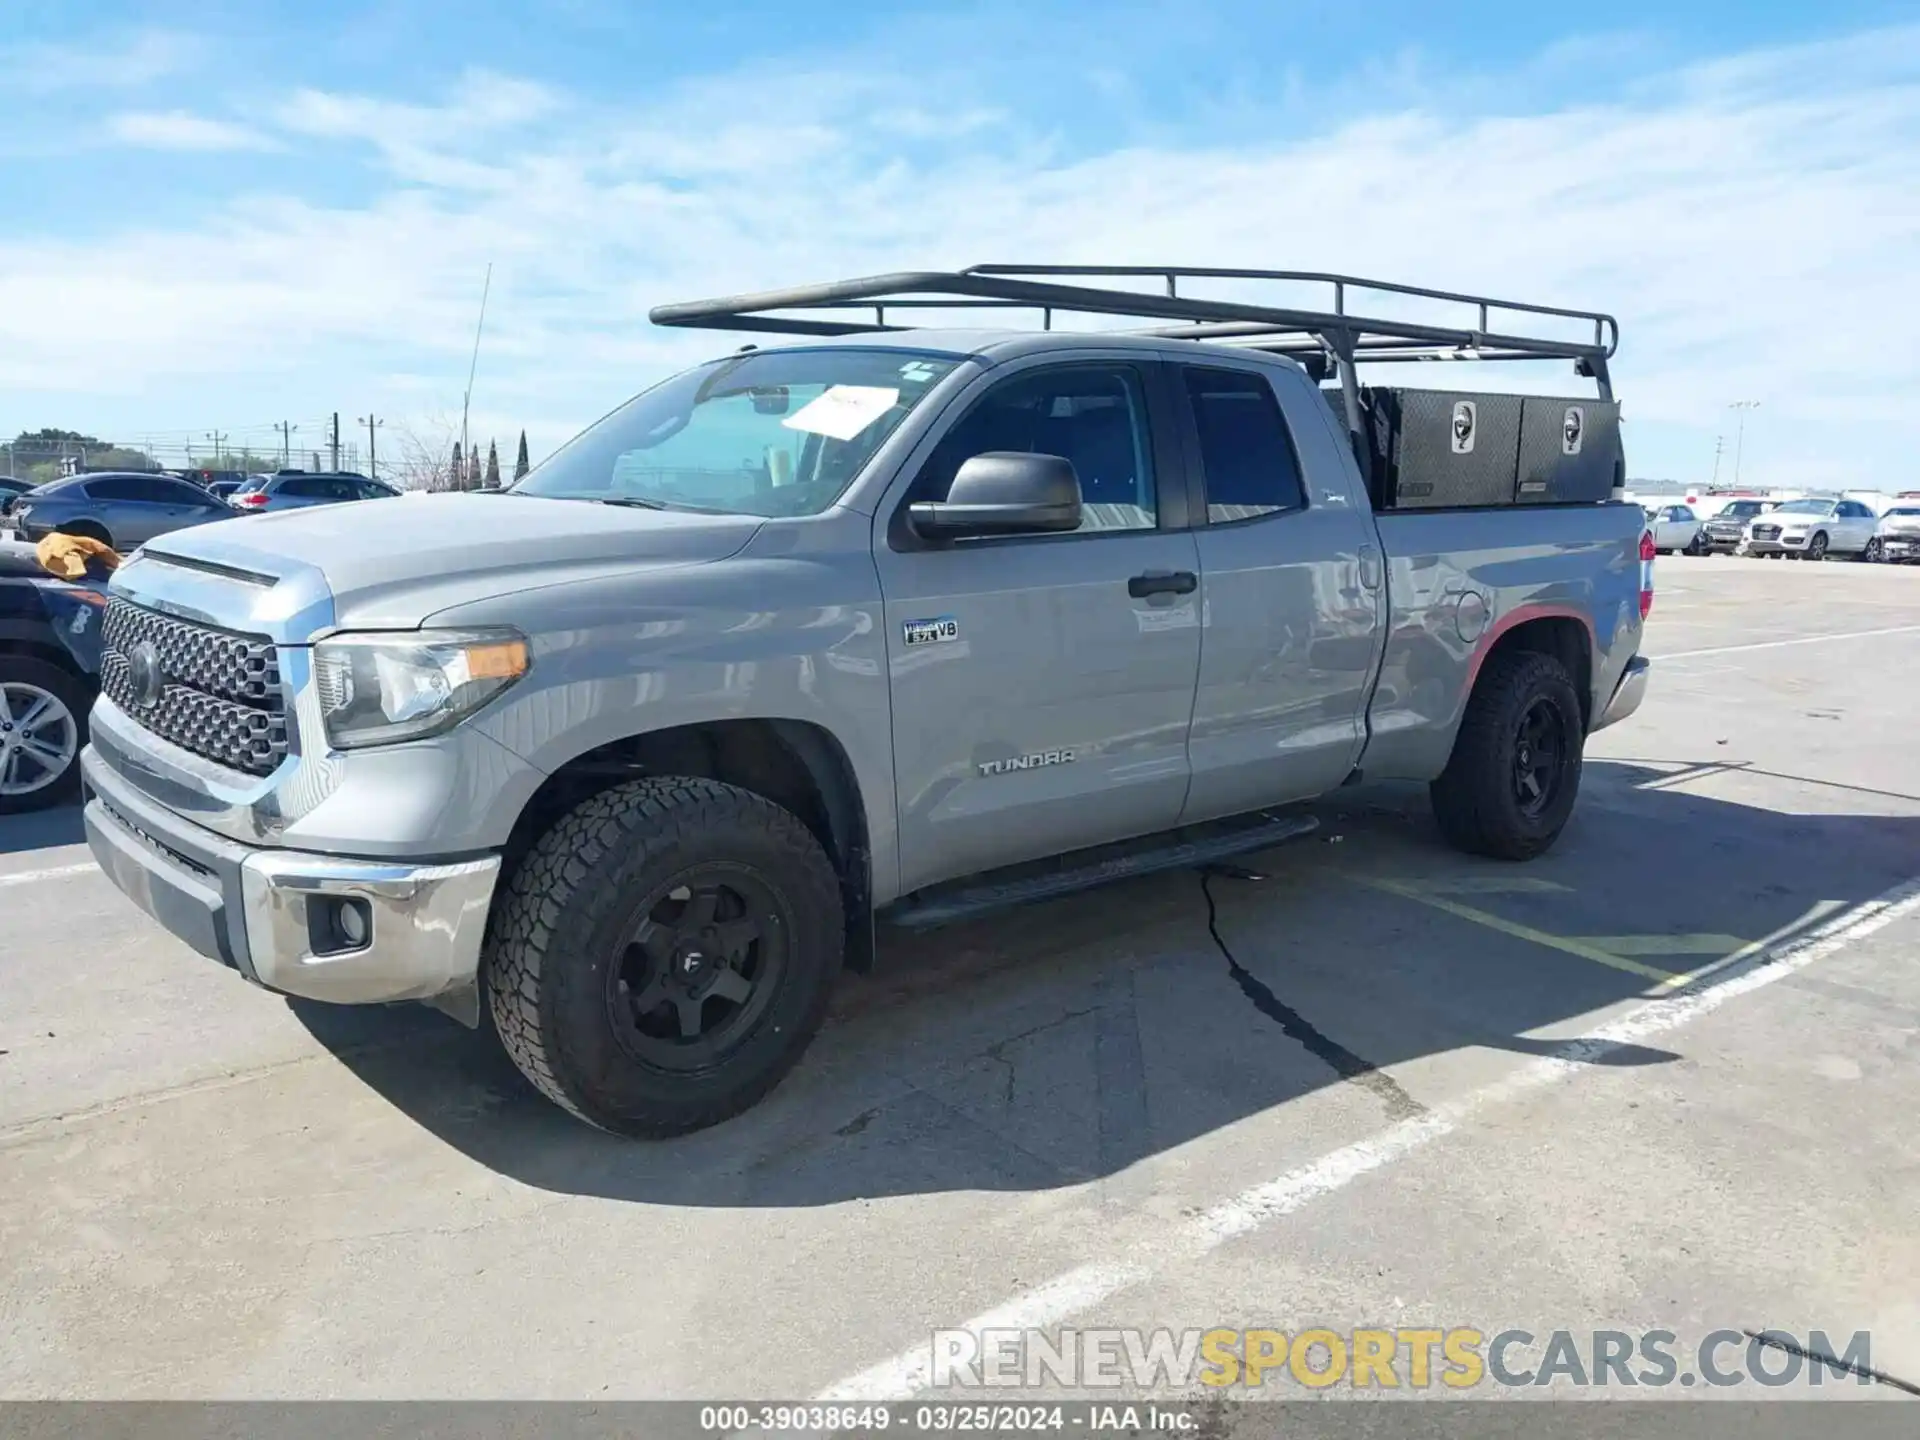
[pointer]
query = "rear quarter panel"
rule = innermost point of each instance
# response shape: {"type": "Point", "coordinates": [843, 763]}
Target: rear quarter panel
{"type": "Point", "coordinates": [1459, 580]}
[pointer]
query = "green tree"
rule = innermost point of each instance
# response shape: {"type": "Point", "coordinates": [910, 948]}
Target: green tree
{"type": "Point", "coordinates": [457, 474]}
{"type": "Point", "coordinates": [520, 466]}
{"type": "Point", "coordinates": [493, 466]}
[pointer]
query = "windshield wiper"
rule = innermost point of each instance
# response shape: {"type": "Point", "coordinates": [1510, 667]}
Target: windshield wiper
{"type": "Point", "coordinates": [635, 501]}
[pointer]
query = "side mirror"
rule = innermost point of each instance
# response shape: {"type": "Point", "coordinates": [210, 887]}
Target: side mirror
{"type": "Point", "coordinates": [1003, 492]}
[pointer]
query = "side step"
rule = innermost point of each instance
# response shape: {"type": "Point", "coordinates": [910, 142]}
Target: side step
{"type": "Point", "coordinates": [1084, 869]}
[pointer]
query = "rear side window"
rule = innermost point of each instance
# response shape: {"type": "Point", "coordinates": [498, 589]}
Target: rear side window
{"type": "Point", "coordinates": [129, 487]}
{"type": "Point", "coordinates": [1245, 450]}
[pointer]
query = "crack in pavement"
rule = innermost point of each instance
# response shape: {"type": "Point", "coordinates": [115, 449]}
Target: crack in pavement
{"type": "Point", "coordinates": [1352, 1068]}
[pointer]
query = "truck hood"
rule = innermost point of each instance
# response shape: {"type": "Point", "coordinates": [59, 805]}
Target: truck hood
{"type": "Point", "coordinates": [392, 563]}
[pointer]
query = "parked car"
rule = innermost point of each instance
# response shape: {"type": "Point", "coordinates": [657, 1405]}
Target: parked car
{"type": "Point", "coordinates": [887, 625]}
{"type": "Point", "coordinates": [49, 668]}
{"type": "Point", "coordinates": [297, 489]}
{"type": "Point", "coordinates": [11, 486]}
{"type": "Point", "coordinates": [1676, 527]}
{"type": "Point", "coordinates": [1897, 537]}
{"type": "Point", "coordinates": [1726, 528]}
{"type": "Point", "coordinates": [1812, 529]}
{"type": "Point", "coordinates": [121, 509]}
{"type": "Point", "coordinates": [225, 489]}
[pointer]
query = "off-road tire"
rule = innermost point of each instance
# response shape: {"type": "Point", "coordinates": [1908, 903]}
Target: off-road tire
{"type": "Point", "coordinates": [557, 924]}
{"type": "Point", "coordinates": [1473, 800]}
{"type": "Point", "coordinates": [71, 692]}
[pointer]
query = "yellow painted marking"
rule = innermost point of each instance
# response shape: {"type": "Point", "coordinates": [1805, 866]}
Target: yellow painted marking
{"type": "Point", "coordinates": [1715, 945]}
{"type": "Point", "coordinates": [1485, 885]}
{"type": "Point", "coordinates": [1585, 951]}
{"type": "Point", "coordinates": [1820, 911]}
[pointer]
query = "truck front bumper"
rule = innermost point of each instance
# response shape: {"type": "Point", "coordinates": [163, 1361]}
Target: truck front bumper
{"type": "Point", "coordinates": [319, 926]}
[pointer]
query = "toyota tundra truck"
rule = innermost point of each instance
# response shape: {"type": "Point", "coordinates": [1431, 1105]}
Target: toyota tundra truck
{"type": "Point", "coordinates": [881, 624]}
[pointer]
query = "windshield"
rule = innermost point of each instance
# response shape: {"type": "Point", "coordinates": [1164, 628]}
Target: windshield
{"type": "Point", "coordinates": [1806, 507]}
{"type": "Point", "coordinates": [1748, 507]}
{"type": "Point", "coordinates": [778, 432]}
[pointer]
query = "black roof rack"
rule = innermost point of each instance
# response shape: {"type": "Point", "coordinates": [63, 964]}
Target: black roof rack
{"type": "Point", "coordinates": [1485, 328]}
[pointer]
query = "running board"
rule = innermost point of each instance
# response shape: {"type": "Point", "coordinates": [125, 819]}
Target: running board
{"type": "Point", "coordinates": [1182, 849]}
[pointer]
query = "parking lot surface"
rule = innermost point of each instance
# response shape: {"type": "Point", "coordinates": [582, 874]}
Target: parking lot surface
{"type": "Point", "coordinates": [1664, 1076]}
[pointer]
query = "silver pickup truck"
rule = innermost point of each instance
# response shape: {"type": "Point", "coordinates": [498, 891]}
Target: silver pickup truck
{"type": "Point", "coordinates": [895, 623]}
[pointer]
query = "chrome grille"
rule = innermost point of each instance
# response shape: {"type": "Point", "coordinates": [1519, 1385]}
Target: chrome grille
{"type": "Point", "coordinates": [219, 693]}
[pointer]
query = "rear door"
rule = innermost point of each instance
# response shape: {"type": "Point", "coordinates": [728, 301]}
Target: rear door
{"type": "Point", "coordinates": [132, 507]}
{"type": "Point", "coordinates": [1292, 586]}
{"type": "Point", "coordinates": [1860, 523]}
{"type": "Point", "coordinates": [1042, 684]}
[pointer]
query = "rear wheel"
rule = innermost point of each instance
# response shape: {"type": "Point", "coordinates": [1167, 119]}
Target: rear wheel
{"type": "Point", "coordinates": [43, 724]}
{"type": "Point", "coordinates": [1875, 551]}
{"type": "Point", "coordinates": [664, 954]}
{"type": "Point", "coordinates": [1510, 785]}
{"type": "Point", "coordinates": [86, 529]}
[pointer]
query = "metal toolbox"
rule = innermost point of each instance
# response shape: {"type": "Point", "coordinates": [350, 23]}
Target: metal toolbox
{"type": "Point", "coordinates": [1569, 451]}
{"type": "Point", "coordinates": [1445, 448]}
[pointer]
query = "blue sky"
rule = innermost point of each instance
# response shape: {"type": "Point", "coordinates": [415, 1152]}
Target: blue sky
{"type": "Point", "coordinates": [222, 215]}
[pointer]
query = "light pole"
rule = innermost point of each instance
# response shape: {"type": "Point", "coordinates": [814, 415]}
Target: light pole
{"type": "Point", "coordinates": [373, 461]}
{"type": "Point", "coordinates": [1740, 434]}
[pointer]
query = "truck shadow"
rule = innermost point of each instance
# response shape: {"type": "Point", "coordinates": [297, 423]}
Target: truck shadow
{"type": "Point", "coordinates": [1060, 1044]}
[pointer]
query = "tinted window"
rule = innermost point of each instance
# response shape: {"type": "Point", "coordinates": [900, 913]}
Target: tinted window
{"type": "Point", "coordinates": [1094, 416]}
{"type": "Point", "coordinates": [131, 487]}
{"type": "Point", "coordinates": [374, 490]}
{"type": "Point", "coordinates": [179, 492]}
{"type": "Point", "coordinates": [319, 487]}
{"type": "Point", "coordinates": [1681, 512]}
{"type": "Point", "coordinates": [1244, 446]}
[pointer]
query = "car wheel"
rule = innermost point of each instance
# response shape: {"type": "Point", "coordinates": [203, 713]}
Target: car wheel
{"type": "Point", "coordinates": [664, 954]}
{"type": "Point", "coordinates": [1875, 552]}
{"type": "Point", "coordinates": [1817, 547]}
{"type": "Point", "coordinates": [43, 725]}
{"type": "Point", "coordinates": [86, 530]}
{"type": "Point", "coordinates": [1698, 545]}
{"type": "Point", "coordinates": [1510, 784]}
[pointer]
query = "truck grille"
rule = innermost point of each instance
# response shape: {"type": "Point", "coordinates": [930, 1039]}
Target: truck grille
{"type": "Point", "coordinates": [210, 691]}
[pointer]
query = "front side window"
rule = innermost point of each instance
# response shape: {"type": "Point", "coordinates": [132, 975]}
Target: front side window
{"type": "Point", "coordinates": [777, 432]}
{"type": "Point", "coordinates": [1092, 415]}
{"type": "Point", "coordinates": [1244, 446]}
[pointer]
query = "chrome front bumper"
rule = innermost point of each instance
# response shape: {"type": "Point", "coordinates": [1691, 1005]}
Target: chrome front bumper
{"type": "Point", "coordinates": [1628, 694]}
{"type": "Point", "coordinates": [274, 915]}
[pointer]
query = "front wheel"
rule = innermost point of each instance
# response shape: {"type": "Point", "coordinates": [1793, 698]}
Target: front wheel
{"type": "Point", "coordinates": [43, 724]}
{"type": "Point", "coordinates": [1817, 547]}
{"type": "Point", "coordinates": [1698, 545]}
{"type": "Point", "coordinates": [664, 954]}
{"type": "Point", "coordinates": [1509, 788]}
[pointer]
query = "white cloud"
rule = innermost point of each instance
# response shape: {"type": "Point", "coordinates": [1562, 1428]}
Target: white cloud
{"type": "Point", "coordinates": [1750, 221]}
{"type": "Point", "coordinates": [127, 62]}
{"type": "Point", "coordinates": [183, 130]}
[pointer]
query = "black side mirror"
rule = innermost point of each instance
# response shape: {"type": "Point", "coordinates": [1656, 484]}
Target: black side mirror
{"type": "Point", "coordinates": [1003, 492]}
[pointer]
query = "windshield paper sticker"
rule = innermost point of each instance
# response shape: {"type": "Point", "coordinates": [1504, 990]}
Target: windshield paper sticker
{"type": "Point", "coordinates": [841, 412]}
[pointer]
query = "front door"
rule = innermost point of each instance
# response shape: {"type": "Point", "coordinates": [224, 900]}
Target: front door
{"type": "Point", "coordinates": [1042, 685]}
{"type": "Point", "coordinates": [1292, 590]}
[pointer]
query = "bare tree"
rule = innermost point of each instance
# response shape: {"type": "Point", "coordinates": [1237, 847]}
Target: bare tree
{"type": "Point", "coordinates": [423, 445]}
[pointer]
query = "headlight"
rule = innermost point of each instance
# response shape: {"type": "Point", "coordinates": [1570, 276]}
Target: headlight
{"type": "Point", "coordinates": [376, 689]}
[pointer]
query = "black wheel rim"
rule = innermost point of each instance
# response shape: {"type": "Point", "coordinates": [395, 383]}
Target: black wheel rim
{"type": "Point", "coordinates": [1539, 753]}
{"type": "Point", "coordinates": [697, 968]}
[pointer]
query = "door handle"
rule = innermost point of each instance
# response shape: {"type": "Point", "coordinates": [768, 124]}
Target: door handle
{"type": "Point", "coordinates": [1163, 582]}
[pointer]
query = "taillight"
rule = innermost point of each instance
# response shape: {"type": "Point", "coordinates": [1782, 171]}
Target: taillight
{"type": "Point", "coordinates": [1647, 551]}
{"type": "Point", "coordinates": [252, 500]}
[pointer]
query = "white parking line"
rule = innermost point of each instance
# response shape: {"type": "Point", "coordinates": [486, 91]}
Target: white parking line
{"type": "Point", "coordinates": [1080, 1289]}
{"type": "Point", "coordinates": [1777, 644]}
{"type": "Point", "coordinates": [57, 872]}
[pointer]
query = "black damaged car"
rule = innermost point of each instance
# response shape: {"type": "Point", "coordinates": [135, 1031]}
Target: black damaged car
{"type": "Point", "coordinates": [49, 669]}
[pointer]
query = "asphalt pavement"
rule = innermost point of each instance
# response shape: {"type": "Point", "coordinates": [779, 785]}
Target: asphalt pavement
{"type": "Point", "coordinates": [1662, 1078]}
